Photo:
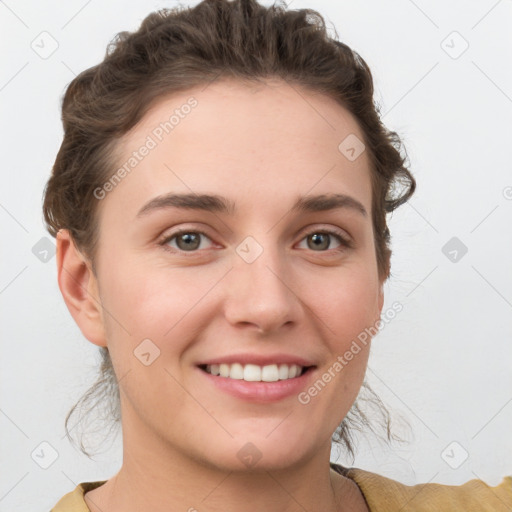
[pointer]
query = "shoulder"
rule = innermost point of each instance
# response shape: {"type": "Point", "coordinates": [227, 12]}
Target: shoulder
{"type": "Point", "coordinates": [74, 501]}
{"type": "Point", "coordinates": [385, 495]}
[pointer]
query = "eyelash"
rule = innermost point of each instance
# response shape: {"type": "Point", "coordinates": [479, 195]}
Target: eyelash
{"type": "Point", "coordinates": [345, 243]}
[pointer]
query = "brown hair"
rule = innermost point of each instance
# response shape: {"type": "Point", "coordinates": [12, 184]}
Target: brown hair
{"type": "Point", "coordinates": [176, 49]}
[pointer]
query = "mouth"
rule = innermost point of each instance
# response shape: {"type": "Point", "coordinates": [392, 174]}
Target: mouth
{"type": "Point", "coordinates": [256, 373]}
{"type": "Point", "coordinates": [258, 378]}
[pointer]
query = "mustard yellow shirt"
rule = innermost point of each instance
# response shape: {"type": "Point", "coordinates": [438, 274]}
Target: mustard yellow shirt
{"type": "Point", "coordinates": [381, 494]}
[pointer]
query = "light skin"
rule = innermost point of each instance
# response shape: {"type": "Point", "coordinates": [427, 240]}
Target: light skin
{"type": "Point", "coordinates": [260, 147]}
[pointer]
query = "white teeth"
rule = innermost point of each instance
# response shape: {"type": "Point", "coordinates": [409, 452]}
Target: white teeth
{"type": "Point", "coordinates": [283, 371]}
{"type": "Point", "coordinates": [236, 371]}
{"type": "Point", "coordinates": [224, 370]}
{"type": "Point", "coordinates": [252, 373]}
{"type": "Point", "coordinates": [255, 373]}
{"type": "Point", "coordinates": [270, 373]}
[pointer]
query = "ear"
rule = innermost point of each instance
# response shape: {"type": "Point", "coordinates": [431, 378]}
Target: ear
{"type": "Point", "coordinates": [79, 289]}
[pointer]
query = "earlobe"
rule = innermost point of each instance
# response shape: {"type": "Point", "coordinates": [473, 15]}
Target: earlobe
{"type": "Point", "coordinates": [79, 289]}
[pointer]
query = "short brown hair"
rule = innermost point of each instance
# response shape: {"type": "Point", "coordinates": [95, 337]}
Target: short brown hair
{"type": "Point", "coordinates": [177, 49]}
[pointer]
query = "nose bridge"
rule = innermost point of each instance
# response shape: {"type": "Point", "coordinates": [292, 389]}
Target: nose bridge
{"type": "Point", "coordinates": [259, 291]}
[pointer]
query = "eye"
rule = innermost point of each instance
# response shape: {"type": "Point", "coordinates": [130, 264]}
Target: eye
{"type": "Point", "coordinates": [186, 240]}
{"type": "Point", "coordinates": [190, 241]}
{"type": "Point", "coordinates": [320, 240]}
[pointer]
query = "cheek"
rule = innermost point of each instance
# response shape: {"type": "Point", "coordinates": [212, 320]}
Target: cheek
{"type": "Point", "coordinates": [151, 302]}
{"type": "Point", "coordinates": [148, 325]}
{"type": "Point", "coordinates": [348, 305]}
{"type": "Point", "coordinates": [348, 312]}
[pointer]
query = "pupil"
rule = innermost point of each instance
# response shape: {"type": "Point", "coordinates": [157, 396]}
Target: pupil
{"type": "Point", "coordinates": [316, 239]}
{"type": "Point", "coordinates": [189, 237]}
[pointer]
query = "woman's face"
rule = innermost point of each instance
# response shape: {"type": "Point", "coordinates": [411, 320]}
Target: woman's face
{"type": "Point", "coordinates": [258, 282]}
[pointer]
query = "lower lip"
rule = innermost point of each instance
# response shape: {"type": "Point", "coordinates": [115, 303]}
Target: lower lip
{"type": "Point", "coordinates": [262, 392]}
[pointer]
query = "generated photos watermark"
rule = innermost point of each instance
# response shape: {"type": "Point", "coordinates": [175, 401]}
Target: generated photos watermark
{"type": "Point", "coordinates": [342, 360]}
{"type": "Point", "coordinates": [152, 140]}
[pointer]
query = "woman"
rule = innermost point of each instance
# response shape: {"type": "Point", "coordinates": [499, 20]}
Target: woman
{"type": "Point", "coordinates": [219, 202]}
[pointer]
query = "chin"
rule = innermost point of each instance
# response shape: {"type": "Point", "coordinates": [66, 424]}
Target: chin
{"type": "Point", "coordinates": [256, 453]}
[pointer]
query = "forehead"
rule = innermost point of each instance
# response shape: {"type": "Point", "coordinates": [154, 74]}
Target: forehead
{"type": "Point", "coordinates": [253, 141]}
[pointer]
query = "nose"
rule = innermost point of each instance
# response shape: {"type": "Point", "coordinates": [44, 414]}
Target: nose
{"type": "Point", "coordinates": [261, 294]}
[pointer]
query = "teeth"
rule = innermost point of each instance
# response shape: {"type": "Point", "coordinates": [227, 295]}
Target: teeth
{"type": "Point", "coordinates": [255, 373]}
{"type": "Point", "coordinates": [252, 373]}
{"type": "Point", "coordinates": [270, 373]}
{"type": "Point", "coordinates": [283, 371]}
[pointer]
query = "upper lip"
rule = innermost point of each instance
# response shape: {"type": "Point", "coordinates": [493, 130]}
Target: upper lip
{"type": "Point", "coordinates": [260, 360]}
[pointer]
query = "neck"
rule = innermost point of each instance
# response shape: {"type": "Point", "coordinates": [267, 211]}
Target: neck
{"type": "Point", "coordinates": [157, 479]}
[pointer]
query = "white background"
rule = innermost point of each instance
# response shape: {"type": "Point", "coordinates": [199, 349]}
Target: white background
{"type": "Point", "coordinates": [444, 363]}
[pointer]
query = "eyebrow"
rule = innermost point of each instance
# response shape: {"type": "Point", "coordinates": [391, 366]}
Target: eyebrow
{"type": "Point", "coordinates": [219, 204]}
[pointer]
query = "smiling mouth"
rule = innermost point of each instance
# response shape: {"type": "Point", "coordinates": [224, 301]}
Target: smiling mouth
{"type": "Point", "coordinates": [256, 373]}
